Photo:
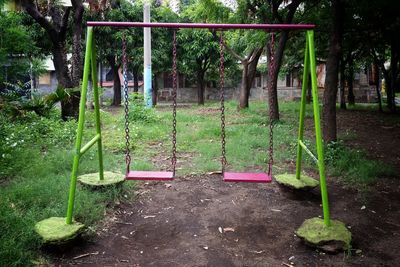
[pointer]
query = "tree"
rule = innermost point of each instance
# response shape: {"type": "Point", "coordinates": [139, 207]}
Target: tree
{"type": "Point", "coordinates": [162, 48]}
{"type": "Point", "coordinates": [17, 53]}
{"type": "Point", "coordinates": [383, 24]}
{"type": "Point", "coordinates": [275, 11]}
{"type": "Point", "coordinates": [332, 70]}
{"type": "Point", "coordinates": [251, 44]}
{"type": "Point", "coordinates": [199, 52]}
{"type": "Point", "coordinates": [374, 30]}
{"type": "Point", "coordinates": [54, 18]}
{"type": "Point", "coordinates": [284, 15]}
{"type": "Point", "coordinates": [109, 41]}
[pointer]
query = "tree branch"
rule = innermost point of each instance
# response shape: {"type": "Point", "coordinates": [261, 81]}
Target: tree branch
{"type": "Point", "coordinates": [236, 55]}
{"type": "Point", "coordinates": [274, 7]}
{"type": "Point", "coordinates": [31, 9]}
{"type": "Point", "coordinates": [64, 24]}
{"type": "Point", "coordinates": [255, 54]}
{"type": "Point", "coordinates": [292, 7]}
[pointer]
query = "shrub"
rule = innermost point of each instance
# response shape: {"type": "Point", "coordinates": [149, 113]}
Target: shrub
{"type": "Point", "coordinates": [16, 135]}
{"type": "Point", "coordinates": [138, 112]}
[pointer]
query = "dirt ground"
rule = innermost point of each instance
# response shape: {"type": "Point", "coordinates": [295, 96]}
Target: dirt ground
{"type": "Point", "coordinates": [202, 221]}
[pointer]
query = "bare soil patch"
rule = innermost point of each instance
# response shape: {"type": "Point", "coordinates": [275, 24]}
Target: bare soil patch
{"type": "Point", "coordinates": [376, 133]}
{"type": "Point", "coordinates": [202, 221]}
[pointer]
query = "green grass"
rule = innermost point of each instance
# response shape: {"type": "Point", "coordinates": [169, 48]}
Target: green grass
{"type": "Point", "coordinates": [35, 173]}
{"type": "Point", "coordinates": [34, 183]}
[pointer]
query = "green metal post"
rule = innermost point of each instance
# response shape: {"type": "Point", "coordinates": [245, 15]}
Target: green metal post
{"type": "Point", "coordinates": [81, 121]}
{"type": "Point", "coordinates": [302, 109]}
{"type": "Point", "coordinates": [318, 136]}
{"type": "Point", "coordinates": [97, 110]}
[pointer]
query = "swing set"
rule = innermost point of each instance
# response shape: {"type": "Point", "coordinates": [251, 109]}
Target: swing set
{"type": "Point", "coordinates": [251, 177]}
{"type": "Point", "coordinates": [59, 226]}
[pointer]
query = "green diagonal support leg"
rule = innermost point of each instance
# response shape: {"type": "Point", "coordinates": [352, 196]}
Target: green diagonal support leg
{"type": "Point", "coordinates": [316, 231]}
{"type": "Point", "coordinates": [317, 122]}
{"type": "Point", "coordinates": [97, 111]}
{"type": "Point", "coordinates": [81, 121]}
{"type": "Point", "coordinates": [298, 181]}
{"type": "Point", "coordinates": [59, 230]}
{"type": "Point", "coordinates": [302, 109]}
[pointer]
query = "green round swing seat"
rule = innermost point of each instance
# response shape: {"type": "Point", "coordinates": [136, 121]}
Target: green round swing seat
{"type": "Point", "coordinates": [290, 180]}
{"type": "Point", "coordinates": [55, 230]}
{"type": "Point", "coordinates": [93, 179]}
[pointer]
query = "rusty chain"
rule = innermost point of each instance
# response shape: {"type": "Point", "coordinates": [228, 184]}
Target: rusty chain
{"type": "Point", "coordinates": [272, 69]}
{"type": "Point", "coordinates": [126, 104]}
{"type": "Point", "coordinates": [175, 88]}
{"type": "Point", "coordinates": [222, 99]}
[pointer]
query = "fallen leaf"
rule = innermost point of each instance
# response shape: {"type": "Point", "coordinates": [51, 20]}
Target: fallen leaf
{"type": "Point", "coordinates": [216, 172]}
{"type": "Point", "coordinates": [229, 229]}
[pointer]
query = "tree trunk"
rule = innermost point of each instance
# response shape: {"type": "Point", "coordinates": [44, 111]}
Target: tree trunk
{"type": "Point", "coordinates": [101, 73]}
{"type": "Point", "coordinates": [135, 83]}
{"type": "Point", "coordinates": [273, 92]}
{"type": "Point", "coordinates": [332, 68]}
{"type": "Point", "coordinates": [155, 90]}
{"type": "Point", "coordinates": [77, 63]}
{"type": "Point", "coordinates": [342, 85]}
{"type": "Point", "coordinates": [57, 29]}
{"type": "Point", "coordinates": [117, 81]}
{"type": "Point", "coordinates": [350, 78]}
{"type": "Point", "coordinates": [135, 80]}
{"type": "Point", "coordinates": [378, 90]}
{"type": "Point", "coordinates": [393, 73]}
{"type": "Point", "coordinates": [69, 105]}
{"type": "Point", "coordinates": [200, 87]}
{"type": "Point", "coordinates": [248, 74]}
{"type": "Point", "coordinates": [243, 99]}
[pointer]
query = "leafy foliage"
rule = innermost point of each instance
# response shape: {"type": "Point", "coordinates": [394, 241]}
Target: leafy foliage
{"type": "Point", "coordinates": [16, 103]}
{"type": "Point", "coordinates": [138, 112]}
{"type": "Point", "coordinates": [15, 48]}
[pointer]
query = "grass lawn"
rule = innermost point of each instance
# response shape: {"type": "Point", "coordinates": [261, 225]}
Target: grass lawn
{"type": "Point", "coordinates": [36, 159]}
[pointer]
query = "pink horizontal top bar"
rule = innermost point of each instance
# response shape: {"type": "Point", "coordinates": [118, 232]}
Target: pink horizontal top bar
{"type": "Point", "coordinates": [201, 25]}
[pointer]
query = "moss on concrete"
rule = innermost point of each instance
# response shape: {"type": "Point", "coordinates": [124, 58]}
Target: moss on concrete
{"type": "Point", "coordinates": [93, 179]}
{"type": "Point", "coordinates": [333, 238]}
{"type": "Point", "coordinates": [55, 231]}
{"type": "Point", "coordinates": [290, 180]}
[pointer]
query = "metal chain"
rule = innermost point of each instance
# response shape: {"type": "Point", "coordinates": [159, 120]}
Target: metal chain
{"type": "Point", "coordinates": [126, 104]}
{"type": "Point", "coordinates": [222, 99]}
{"type": "Point", "coordinates": [272, 68]}
{"type": "Point", "coordinates": [174, 95]}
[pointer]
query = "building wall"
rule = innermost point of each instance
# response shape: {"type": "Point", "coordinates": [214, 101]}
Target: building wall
{"type": "Point", "coordinates": [289, 87]}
